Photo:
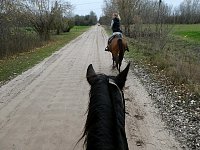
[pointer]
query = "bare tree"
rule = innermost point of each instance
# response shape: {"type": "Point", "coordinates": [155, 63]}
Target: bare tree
{"type": "Point", "coordinates": [188, 12]}
{"type": "Point", "coordinates": [39, 14]}
{"type": "Point", "coordinates": [45, 14]}
{"type": "Point", "coordinates": [9, 25]}
{"type": "Point", "coordinates": [23, 22]}
{"type": "Point", "coordinates": [127, 10]}
{"type": "Point", "coordinates": [108, 9]}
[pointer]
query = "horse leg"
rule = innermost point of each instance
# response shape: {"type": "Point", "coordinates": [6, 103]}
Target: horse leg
{"type": "Point", "coordinates": [113, 62]}
{"type": "Point", "coordinates": [120, 63]}
{"type": "Point", "coordinates": [118, 68]}
{"type": "Point", "coordinates": [117, 64]}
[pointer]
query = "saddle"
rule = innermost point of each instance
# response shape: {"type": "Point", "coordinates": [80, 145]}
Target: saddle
{"type": "Point", "coordinates": [113, 36]}
{"type": "Point", "coordinates": [118, 35]}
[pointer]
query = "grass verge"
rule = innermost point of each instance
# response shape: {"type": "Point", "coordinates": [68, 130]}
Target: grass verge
{"type": "Point", "coordinates": [176, 66]}
{"type": "Point", "coordinates": [173, 79]}
{"type": "Point", "coordinates": [179, 61]}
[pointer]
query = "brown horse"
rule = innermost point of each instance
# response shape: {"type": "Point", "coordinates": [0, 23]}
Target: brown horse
{"type": "Point", "coordinates": [117, 47]}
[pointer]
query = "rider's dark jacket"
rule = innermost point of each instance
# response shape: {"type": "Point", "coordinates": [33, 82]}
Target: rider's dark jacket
{"type": "Point", "coordinates": [116, 25]}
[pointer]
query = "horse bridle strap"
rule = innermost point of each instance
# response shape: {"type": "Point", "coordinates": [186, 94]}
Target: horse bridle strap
{"type": "Point", "coordinates": [111, 81]}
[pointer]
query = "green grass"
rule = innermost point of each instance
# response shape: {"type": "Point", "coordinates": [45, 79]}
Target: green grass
{"type": "Point", "coordinates": [15, 65]}
{"type": "Point", "coordinates": [187, 31]}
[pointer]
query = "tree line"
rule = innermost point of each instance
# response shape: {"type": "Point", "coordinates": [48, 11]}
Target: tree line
{"type": "Point", "coordinates": [188, 12]}
{"type": "Point", "coordinates": [86, 20]}
{"type": "Point", "coordinates": [27, 24]}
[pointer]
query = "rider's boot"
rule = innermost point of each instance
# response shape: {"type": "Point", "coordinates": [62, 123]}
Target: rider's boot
{"type": "Point", "coordinates": [127, 49]}
{"type": "Point", "coordinates": [107, 48]}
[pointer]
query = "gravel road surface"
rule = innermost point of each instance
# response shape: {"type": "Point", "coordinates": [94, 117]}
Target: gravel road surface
{"type": "Point", "coordinates": [44, 108]}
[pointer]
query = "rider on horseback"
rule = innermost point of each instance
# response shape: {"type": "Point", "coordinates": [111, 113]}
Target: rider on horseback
{"type": "Point", "coordinates": [115, 26]}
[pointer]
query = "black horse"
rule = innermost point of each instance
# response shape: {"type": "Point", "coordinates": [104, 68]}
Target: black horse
{"type": "Point", "coordinates": [105, 124]}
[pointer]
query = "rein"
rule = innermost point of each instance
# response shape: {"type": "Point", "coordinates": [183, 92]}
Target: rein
{"type": "Point", "coordinates": [111, 81]}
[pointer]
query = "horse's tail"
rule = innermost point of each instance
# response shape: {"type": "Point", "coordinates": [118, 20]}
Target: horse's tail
{"type": "Point", "coordinates": [121, 49]}
{"type": "Point", "coordinates": [120, 44]}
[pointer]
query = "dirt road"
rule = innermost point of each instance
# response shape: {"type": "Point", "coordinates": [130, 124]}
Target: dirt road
{"type": "Point", "coordinates": [44, 108]}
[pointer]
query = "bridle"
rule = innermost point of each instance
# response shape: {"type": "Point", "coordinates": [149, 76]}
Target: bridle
{"type": "Point", "coordinates": [112, 82]}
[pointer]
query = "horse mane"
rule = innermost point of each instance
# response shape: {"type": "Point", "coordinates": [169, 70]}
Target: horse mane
{"type": "Point", "coordinates": [105, 121]}
{"type": "Point", "coordinates": [98, 110]}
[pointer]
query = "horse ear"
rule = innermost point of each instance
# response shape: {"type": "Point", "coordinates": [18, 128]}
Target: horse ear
{"type": "Point", "coordinates": [90, 74]}
{"type": "Point", "coordinates": [121, 77]}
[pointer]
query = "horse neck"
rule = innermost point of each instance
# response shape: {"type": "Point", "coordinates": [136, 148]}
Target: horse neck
{"type": "Point", "coordinates": [106, 119]}
{"type": "Point", "coordinates": [100, 125]}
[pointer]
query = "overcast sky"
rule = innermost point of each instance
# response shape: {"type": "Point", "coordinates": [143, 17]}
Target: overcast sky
{"type": "Point", "coordinates": [83, 7]}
